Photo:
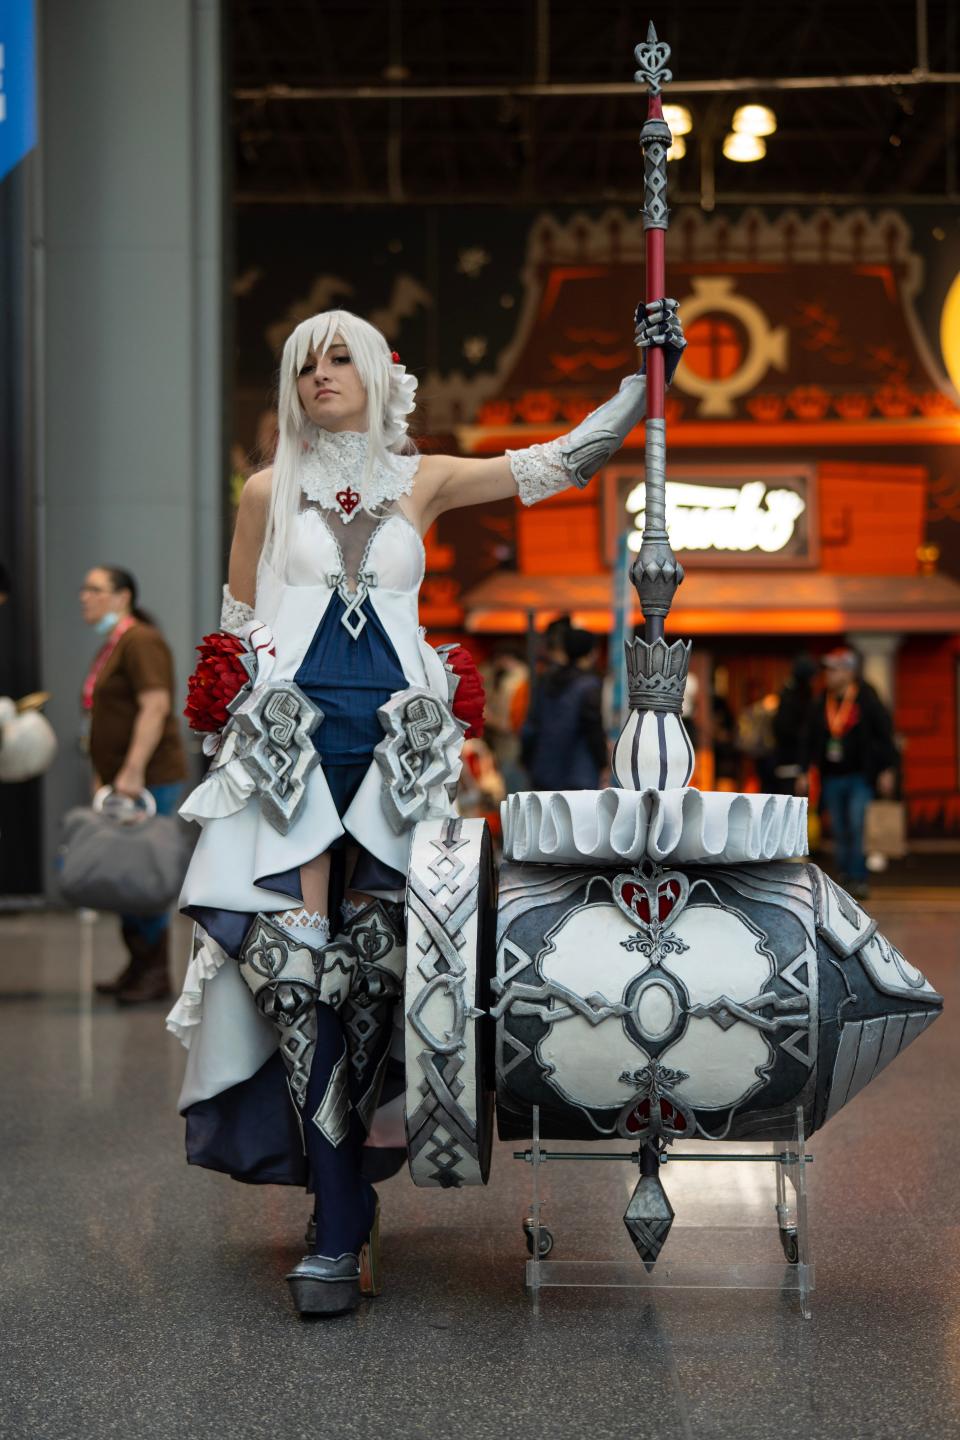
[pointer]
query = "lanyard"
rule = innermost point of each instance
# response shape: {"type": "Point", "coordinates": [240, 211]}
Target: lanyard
{"type": "Point", "coordinates": [838, 715]}
{"type": "Point", "coordinates": [101, 658]}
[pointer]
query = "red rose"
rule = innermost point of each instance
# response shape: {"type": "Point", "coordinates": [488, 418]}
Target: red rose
{"type": "Point", "coordinates": [394, 356]}
{"type": "Point", "coordinates": [470, 698]}
{"type": "Point", "coordinates": [218, 679]}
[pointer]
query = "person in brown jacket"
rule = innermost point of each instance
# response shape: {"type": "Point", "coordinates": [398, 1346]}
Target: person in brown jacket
{"type": "Point", "coordinates": [134, 745]}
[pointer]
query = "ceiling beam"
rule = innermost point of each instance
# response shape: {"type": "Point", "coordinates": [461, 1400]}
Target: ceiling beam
{"type": "Point", "coordinates": [501, 196]}
{"type": "Point", "coordinates": [560, 89]}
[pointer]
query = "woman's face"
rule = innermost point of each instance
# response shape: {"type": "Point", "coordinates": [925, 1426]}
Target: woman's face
{"type": "Point", "coordinates": [331, 391]}
{"type": "Point", "coordinates": [98, 597]}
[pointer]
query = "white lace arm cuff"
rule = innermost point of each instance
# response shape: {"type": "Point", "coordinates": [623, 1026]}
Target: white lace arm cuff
{"type": "Point", "coordinates": [234, 614]}
{"type": "Point", "coordinates": [539, 471]}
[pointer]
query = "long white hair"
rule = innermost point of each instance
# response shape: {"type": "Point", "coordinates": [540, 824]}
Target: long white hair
{"type": "Point", "coordinates": [390, 398]}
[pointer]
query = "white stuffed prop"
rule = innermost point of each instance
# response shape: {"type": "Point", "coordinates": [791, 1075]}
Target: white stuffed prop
{"type": "Point", "coordinates": [28, 744]}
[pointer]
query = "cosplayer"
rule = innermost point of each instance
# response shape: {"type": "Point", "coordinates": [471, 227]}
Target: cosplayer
{"type": "Point", "coordinates": [340, 740]}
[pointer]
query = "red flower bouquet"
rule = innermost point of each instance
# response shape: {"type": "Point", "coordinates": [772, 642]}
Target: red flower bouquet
{"type": "Point", "coordinates": [470, 698]}
{"type": "Point", "coordinates": [218, 679]}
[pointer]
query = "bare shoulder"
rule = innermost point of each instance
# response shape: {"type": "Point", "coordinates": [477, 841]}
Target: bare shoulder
{"type": "Point", "coordinates": [257, 490]}
{"type": "Point", "coordinates": [433, 468]}
{"type": "Point", "coordinates": [432, 472]}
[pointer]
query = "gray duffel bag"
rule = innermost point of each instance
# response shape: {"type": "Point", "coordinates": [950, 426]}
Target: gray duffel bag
{"type": "Point", "coordinates": [119, 854]}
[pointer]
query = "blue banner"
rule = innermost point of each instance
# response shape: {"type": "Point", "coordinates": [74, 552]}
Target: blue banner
{"type": "Point", "coordinates": [18, 82]}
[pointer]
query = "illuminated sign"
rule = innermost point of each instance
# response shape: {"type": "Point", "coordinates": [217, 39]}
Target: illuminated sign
{"type": "Point", "coordinates": [754, 515]}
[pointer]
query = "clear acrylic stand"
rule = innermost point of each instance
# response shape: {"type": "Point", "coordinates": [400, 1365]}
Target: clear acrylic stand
{"type": "Point", "coordinates": [794, 1277]}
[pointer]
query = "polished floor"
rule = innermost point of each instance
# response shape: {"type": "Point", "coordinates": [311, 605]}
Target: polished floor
{"type": "Point", "coordinates": [140, 1298]}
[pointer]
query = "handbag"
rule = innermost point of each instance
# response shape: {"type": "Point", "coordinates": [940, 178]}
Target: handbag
{"type": "Point", "coordinates": [119, 854]}
{"type": "Point", "coordinates": [885, 829]}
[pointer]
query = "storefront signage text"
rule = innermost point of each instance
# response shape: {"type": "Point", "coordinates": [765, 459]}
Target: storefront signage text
{"type": "Point", "coordinates": [745, 518]}
{"type": "Point", "coordinates": [721, 515]}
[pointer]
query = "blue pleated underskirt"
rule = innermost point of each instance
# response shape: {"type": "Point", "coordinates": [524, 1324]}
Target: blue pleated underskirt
{"type": "Point", "coordinates": [349, 679]}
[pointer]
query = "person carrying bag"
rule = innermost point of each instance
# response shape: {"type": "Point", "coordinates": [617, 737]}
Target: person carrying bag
{"type": "Point", "coordinates": [135, 747]}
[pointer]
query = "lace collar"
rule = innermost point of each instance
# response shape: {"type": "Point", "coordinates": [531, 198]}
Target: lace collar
{"type": "Point", "coordinates": [332, 473]}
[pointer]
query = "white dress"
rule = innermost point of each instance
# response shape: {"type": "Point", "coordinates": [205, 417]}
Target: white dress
{"type": "Point", "coordinates": [216, 1018]}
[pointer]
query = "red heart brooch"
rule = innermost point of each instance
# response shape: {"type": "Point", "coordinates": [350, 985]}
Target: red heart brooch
{"type": "Point", "coordinates": [651, 899]}
{"type": "Point", "coordinates": [348, 500]}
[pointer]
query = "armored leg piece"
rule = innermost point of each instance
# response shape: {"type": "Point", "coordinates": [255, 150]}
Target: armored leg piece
{"type": "Point", "coordinates": [327, 1282]}
{"type": "Point", "coordinates": [301, 989]}
{"type": "Point", "coordinates": [377, 935]}
{"type": "Point", "coordinates": [288, 979]}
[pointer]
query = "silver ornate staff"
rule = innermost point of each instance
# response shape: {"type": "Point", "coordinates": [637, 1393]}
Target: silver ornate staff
{"type": "Point", "coordinates": [654, 750]}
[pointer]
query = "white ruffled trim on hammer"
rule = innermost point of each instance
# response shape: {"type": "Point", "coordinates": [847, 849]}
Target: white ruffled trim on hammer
{"type": "Point", "coordinates": [684, 826]}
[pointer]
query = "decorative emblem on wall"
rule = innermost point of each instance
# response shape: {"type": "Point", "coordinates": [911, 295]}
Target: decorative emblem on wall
{"type": "Point", "coordinates": [766, 346]}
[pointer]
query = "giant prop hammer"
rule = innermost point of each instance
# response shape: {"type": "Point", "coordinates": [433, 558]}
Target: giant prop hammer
{"type": "Point", "coordinates": [654, 750]}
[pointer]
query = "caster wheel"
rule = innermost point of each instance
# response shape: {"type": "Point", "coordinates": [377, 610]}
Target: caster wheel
{"type": "Point", "coordinates": [546, 1238]}
{"type": "Point", "coordinates": [791, 1245]}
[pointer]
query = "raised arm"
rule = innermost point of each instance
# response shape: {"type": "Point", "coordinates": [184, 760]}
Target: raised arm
{"type": "Point", "coordinates": [448, 482]}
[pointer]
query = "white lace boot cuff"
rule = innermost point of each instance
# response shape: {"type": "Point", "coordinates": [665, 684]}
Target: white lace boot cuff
{"type": "Point", "coordinates": [234, 614]}
{"type": "Point", "coordinates": [539, 471]}
{"type": "Point", "coordinates": [307, 926]}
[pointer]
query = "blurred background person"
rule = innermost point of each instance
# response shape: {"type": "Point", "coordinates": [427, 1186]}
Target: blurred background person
{"type": "Point", "coordinates": [134, 745]}
{"type": "Point", "coordinates": [851, 743]}
{"type": "Point", "coordinates": [506, 679]}
{"type": "Point", "coordinates": [481, 786]}
{"type": "Point", "coordinates": [564, 743]}
{"type": "Point", "coordinates": [791, 726]}
{"type": "Point", "coordinates": [756, 740]}
{"type": "Point", "coordinates": [726, 759]}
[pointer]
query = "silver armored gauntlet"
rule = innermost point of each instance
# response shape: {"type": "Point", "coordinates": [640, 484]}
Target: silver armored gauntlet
{"type": "Point", "coordinates": [542, 470]}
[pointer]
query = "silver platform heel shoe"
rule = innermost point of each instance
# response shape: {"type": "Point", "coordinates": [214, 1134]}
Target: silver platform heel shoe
{"type": "Point", "coordinates": [321, 1285]}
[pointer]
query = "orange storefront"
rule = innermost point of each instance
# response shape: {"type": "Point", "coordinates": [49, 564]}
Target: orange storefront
{"type": "Point", "coordinates": [807, 398]}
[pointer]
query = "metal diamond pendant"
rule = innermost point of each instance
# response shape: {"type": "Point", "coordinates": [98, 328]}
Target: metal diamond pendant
{"type": "Point", "coordinates": [648, 1218]}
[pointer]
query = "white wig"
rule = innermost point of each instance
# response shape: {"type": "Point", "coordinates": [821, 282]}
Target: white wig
{"type": "Point", "coordinates": [390, 394]}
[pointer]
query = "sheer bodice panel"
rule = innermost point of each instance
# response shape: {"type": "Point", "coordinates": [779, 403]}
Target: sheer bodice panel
{"type": "Point", "coordinates": [383, 550]}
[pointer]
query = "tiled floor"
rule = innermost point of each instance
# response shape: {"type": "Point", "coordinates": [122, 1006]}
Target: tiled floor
{"type": "Point", "coordinates": [139, 1298]}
